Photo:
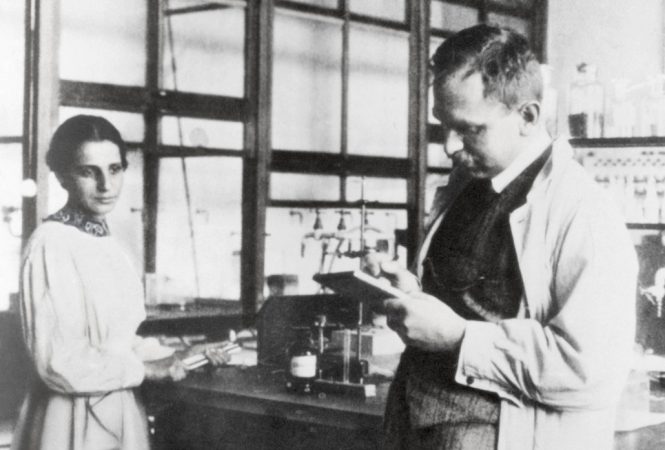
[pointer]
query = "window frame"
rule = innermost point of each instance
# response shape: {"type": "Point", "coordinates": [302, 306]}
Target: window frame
{"type": "Point", "coordinates": [253, 111]}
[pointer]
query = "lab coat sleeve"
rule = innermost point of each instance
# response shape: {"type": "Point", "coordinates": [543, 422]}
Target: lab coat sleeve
{"type": "Point", "coordinates": [61, 332]}
{"type": "Point", "coordinates": [579, 356]}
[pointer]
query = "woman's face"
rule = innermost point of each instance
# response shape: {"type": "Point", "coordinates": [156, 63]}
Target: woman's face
{"type": "Point", "coordinates": [95, 179]}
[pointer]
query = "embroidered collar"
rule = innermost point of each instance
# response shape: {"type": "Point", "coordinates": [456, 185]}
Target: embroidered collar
{"type": "Point", "coordinates": [74, 217]}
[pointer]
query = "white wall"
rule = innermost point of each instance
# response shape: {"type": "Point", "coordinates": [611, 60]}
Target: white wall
{"type": "Point", "coordinates": [623, 38]}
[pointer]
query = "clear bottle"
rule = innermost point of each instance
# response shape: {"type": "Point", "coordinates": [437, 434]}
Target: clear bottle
{"type": "Point", "coordinates": [586, 104]}
{"type": "Point", "coordinates": [621, 114]}
{"type": "Point", "coordinates": [302, 363]}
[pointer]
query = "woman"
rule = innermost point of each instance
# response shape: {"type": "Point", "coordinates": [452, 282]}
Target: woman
{"type": "Point", "coordinates": [81, 303]}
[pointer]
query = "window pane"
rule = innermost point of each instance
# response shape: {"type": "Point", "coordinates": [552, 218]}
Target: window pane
{"type": "Point", "coordinates": [208, 253]}
{"type": "Point", "coordinates": [292, 186]}
{"type": "Point", "coordinates": [10, 226]}
{"type": "Point", "coordinates": [11, 69]}
{"type": "Point", "coordinates": [378, 92]}
{"type": "Point", "coordinates": [202, 133]}
{"type": "Point", "coordinates": [517, 24]}
{"type": "Point", "coordinates": [386, 9]}
{"type": "Point", "coordinates": [385, 190]}
{"type": "Point", "coordinates": [433, 181]}
{"type": "Point", "coordinates": [436, 156]}
{"type": "Point", "coordinates": [103, 41]}
{"type": "Point", "coordinates": [130, 125]}
{"type": "Point", "coordinates": [450, 17]}
{"type": "Point", "coordinates": [307, 84]}
{"type": "Point", "coordinates": [294, 247]}
{"type": "Point", "coordinates": [209, 52]}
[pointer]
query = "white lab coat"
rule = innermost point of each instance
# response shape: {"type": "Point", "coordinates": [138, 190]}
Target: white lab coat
{"type": "Point", "coordinates": [559, 367]}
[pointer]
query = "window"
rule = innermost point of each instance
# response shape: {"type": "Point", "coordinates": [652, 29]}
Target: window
{"type": "Point", "coordinates": [11, 157]}
{"type": "Point", "coordinates": [194, 88]}
{"type": "Point", "coordinates": [208, 49]}
{"type": "Point", "coordinates": [187, 153]}
{"type": "Point", "coordinates": [339, 130]}
{"type": "Point", "coordinates": [307, 83]}
{"type": "Point", "coordinates": [199, 228]}
{"type": "Point", "coordinates": [103, 41]}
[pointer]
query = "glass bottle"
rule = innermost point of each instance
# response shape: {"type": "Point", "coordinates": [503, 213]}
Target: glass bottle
{"type": "Point", "coordinates": [302, 363]}
{"type": "Point", "coordinates": [586, 104]}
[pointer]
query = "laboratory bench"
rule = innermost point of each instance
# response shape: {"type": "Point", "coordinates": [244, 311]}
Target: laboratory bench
{"type": "Point", "coordinates": [249, 408]}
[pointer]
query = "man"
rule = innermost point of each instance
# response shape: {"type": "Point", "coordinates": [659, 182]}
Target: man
{"type": "Point", "coordinates": [520, 322]}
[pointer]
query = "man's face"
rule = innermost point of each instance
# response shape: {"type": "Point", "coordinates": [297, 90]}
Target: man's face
{"type": "Point", "coordinates": [480, 134]}
{"type": "Point", "coordinates": [95, 180]}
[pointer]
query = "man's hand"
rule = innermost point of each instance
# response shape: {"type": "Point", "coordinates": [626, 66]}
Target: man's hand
{"type": "Point", "coordinates": [381, 265]}
{"type": "Point", "coordinates": [424, 322]}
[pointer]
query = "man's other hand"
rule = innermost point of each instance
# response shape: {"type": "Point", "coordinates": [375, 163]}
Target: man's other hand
{"type": "Point", "coordinates": [424, 322]}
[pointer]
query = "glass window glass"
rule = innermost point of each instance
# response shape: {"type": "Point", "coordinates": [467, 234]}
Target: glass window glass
{"type": "Point", "coordinates": [11, 70]}
{"type": "Point", "coordinates": [294, 186]}
{"type": "Point", "coordinates": [385, 190]}
{"type": "Point", "coordinates": [432, 182]}
{"type": "Point", "coordinates": [209, 52]}
{"type": "Point", "coordinates": [202, 133]}
{"type": "Point", "coordinates": [10, 225]}
{"type": "Point", "coordinates": [201, 260]}
{"type": "Point", "coordinates": [451, 17]}
{"type": "Point", "coordinates": [378, 92]}
{"type": "Point", "coordinates": [386, 9]}
{"type": "Point", "coordinates": [295, 248]}
{"type": "Point", "coordinates": [103, 41]}
{"type": "Point", "coordinates": [307, 84]}
{"type": "Point", "coordinates": [436, 156]}
{"type": "Point", "coordinates": [517, 24]}
{"type": "Point", "coordinates": [129, 124]}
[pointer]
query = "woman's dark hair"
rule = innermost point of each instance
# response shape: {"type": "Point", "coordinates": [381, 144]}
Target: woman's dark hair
{"type": "Point", "coordinates": [76, 131]}
{"type": "Point", "coordinates": [509, 69]}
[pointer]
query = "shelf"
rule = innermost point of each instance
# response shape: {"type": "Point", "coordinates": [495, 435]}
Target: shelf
{"type": "Point", "coordinates": [642, 141]}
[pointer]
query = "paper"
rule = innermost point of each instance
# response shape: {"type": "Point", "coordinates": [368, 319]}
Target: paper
{"type": "Point", "coordinates": [628, 420]}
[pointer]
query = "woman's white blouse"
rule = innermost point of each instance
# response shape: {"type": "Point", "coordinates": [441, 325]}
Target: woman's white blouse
{"type": "Point", "coordinates": [82, 302]}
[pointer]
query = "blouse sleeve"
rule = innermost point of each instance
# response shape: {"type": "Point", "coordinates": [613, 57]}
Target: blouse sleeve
{"type": "Point", "coordinates": [58, 330]}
